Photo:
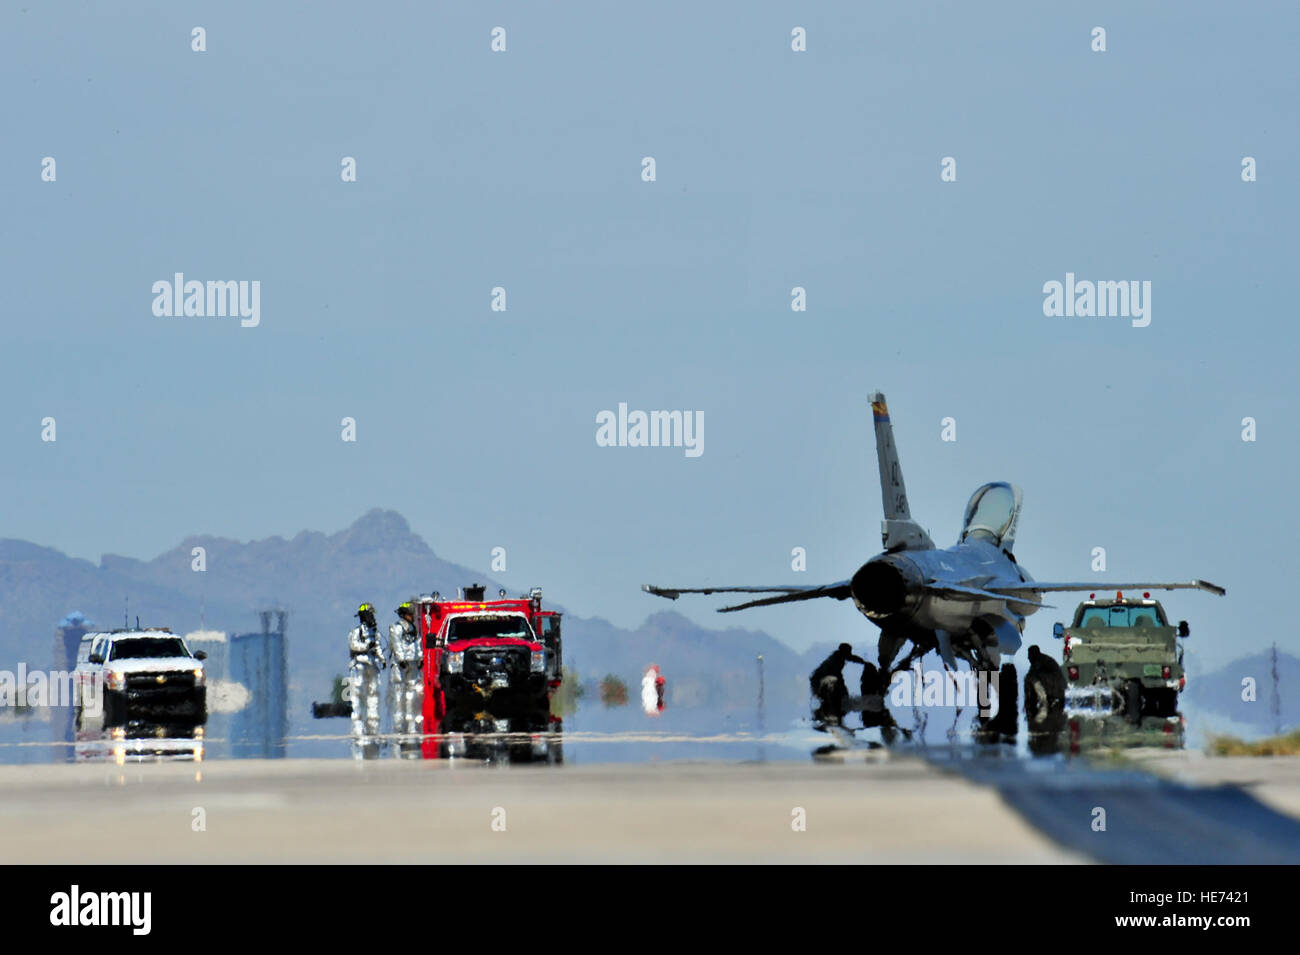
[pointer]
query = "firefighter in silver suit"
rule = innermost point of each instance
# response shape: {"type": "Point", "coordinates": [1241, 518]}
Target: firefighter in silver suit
{"type": "Point", "coordinates": [363, 679]}
{"type": "Point", "coordinates": [406, 678]}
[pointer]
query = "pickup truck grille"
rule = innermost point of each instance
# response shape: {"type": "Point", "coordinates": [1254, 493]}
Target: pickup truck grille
{"type": "Point", "coordinates": [172, 680]}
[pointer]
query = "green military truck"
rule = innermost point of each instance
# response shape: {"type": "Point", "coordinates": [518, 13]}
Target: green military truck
{"type": "Point", "coordinates": [1121, 655]}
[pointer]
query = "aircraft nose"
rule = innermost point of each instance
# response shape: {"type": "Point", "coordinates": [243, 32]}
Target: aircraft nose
{"type": "Point", "coordinates": [886, 586]}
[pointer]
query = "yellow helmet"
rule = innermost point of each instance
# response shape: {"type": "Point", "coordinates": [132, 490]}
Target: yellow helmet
{"type": "Point", "coordinates": [404, 608]}
{"type": "Point", "coordinates": [365, 608]}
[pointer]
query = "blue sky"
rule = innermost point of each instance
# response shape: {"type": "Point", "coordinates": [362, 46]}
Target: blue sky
{"type": "Point", "coordinates": [775, 169]}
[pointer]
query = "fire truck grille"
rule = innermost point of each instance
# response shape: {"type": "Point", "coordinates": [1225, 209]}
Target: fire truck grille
{"type": "Point", "coordinates": [483, 663]}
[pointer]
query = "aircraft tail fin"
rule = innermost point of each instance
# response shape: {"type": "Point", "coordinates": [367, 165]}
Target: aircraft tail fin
{"type": "Point", "coordinates": [898, 530]}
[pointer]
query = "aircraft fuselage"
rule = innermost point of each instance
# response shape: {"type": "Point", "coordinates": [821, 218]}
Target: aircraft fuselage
{"type": "Point", "coordinates": [939, 589]}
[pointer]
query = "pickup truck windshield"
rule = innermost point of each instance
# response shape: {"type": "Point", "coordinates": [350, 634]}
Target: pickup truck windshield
{"type": "Point", "coordinates": [1120, 616]}
{"type": "Point", "coordinates": [136, 648]}
{"type": "Point", "coordinates": [479, 628]}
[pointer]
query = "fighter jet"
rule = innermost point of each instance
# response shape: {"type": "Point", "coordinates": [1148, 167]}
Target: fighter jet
{"type": "Point", "coordinates": [968, 601]}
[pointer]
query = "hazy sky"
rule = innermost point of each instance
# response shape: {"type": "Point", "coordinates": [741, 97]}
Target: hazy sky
{"type": "Point", "coordinates": [774, 169]}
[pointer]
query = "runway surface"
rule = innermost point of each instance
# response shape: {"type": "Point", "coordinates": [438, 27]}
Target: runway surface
{"type": "Point", "coordinates": [953, 805]}
{"type": "Point", "coordinates": [1120, 814]}
{"type": "Point", "coordinates": [333, 811]}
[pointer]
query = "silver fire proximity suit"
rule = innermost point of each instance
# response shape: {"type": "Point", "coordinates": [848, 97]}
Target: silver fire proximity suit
{"type": "Point", "coordinates": [363, 680]}
{"type": "Point", "coordinates": [406, 679]}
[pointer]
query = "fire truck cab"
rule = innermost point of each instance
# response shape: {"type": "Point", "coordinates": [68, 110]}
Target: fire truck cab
{"type": "Point", "coordinates": [479, 654]}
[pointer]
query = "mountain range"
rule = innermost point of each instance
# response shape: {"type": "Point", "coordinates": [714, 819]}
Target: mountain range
{"type": "Point", "coordinates": [321, 578]}
{"type": "Point", "coordinates": [1243, 692]}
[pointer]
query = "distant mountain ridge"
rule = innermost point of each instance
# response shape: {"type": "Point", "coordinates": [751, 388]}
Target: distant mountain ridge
{"type": "Point", "coordinates": [320, 579]}
{"type": "Point", "coordinates": [1221, 691]}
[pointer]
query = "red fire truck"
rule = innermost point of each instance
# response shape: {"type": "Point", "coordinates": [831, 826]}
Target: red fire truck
{"type": "Point", "coordinates": [500, 655]}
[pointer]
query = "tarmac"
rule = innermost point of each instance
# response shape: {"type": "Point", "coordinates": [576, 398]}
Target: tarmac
{"type": "Point", "coordinates": [341, 811]}
{"type": "Point", "coordinates": [1273, 780]}
{"type": "Point", "coordinates": [872, 807]}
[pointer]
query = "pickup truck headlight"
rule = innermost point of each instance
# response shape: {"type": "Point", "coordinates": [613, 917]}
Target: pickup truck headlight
{"type": "Point", "coordinates": [455, 663]}
{"type": "Point", "coordinates": [537, 662]}
{"type": "Point", "coordinates": [198, 676]}
{"type": "Point", "coordinates": [114, 680]}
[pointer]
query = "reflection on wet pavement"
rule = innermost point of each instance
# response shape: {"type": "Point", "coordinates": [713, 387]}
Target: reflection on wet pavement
{"type": "Point", "coordinates": [139, 742]}
{"type": "Point", "coordinates": [856, 724]}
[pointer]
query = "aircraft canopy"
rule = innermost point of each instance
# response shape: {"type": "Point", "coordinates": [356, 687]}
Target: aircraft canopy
{"type": "Point", "coordinates": [992, 514]}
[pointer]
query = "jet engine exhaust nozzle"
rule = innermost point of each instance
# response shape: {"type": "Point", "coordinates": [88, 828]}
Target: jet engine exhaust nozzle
{"type": "Point", "coordinates": [887, 587]}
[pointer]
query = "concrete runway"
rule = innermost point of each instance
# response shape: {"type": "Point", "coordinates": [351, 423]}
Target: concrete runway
{"type": "Point", "coordinates": [1115, 812]}
{"type": "Point", "coordinates": [862, 807]}
{"type": "Point", "coordinates": [1273, 780]}
{"type": "Point", "coordinates": [331, 811]}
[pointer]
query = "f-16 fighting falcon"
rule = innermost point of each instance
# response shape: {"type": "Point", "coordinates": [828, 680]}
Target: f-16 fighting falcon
{"type": "Point", "coordinates": [968, 601]}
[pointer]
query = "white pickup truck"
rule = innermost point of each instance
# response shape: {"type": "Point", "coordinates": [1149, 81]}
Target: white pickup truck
{"type": "Point", "coordinates": [146, 675]}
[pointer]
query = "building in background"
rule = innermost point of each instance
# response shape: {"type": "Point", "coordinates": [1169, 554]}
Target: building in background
{"type": "Point", "coordinates": [258, 662]}
{"type": "Point", "coordinates": [223, 695]}
{"type": "Point", "coordinates": [67, 638]}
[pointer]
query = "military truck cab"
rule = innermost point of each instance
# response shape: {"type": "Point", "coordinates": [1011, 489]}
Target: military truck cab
{"type": "Point", "coordinates": [1122, 654]}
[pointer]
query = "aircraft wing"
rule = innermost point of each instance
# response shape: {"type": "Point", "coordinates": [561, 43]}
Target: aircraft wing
{"type": "Point", "coordinates": [838, 590]}
{"type": "Point", "coordinates": [672, 593]}
{"type": "Point", "coordinates": [1042, 587]}
{"type": "Point", "coordinates": [957, 590]}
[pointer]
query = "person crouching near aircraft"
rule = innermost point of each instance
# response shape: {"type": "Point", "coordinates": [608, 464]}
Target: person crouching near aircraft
{"type": "Point", "coordinates": [827, 683]}
{"type": "Point", "coordinates": [363, 676]}
{"type": "Point", "coordinates": [405, 681]}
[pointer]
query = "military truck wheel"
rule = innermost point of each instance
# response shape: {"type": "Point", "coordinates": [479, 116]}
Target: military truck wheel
{"type": "Point", "coordinates": [1133, 701]}
{"type": "Point", "coordinates": [1162, 702]}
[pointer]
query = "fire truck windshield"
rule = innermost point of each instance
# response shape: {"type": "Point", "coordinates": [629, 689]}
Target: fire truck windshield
{"type": "Point", "coordinates": [486, 627]}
